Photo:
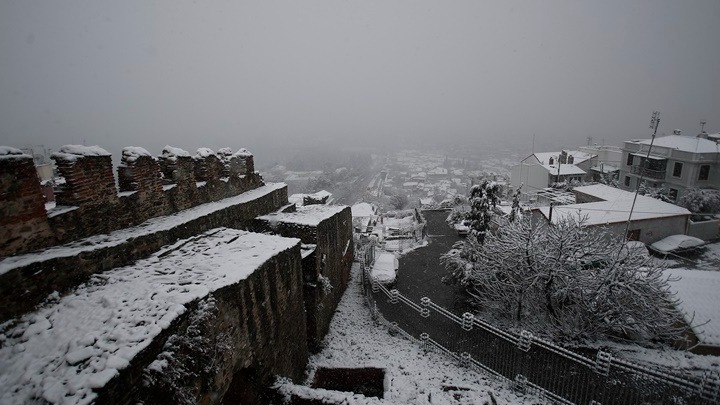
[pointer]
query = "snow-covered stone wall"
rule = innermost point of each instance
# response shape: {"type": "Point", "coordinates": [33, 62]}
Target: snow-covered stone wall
{"type": "Point", "coordinates": [326, 270]}
{"type": "Point", "coordinates": [26, 280]}
{"type": "Point", "coordinates": [89, 203]}
{"type": "Point", "coordinates": [173, 328]}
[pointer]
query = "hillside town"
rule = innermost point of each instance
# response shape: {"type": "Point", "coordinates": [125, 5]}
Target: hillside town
{"type": "Point", "coordinates": [415, 206]}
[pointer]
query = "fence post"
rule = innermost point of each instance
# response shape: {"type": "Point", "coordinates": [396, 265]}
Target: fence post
{"type": "Point", "coordinates": [524, 341]}
{"type": "Point", "coordinates": [602, 363]}
{"type": "Point", "coordinates": [467, 321]}
{"type": "Point", "coordinates": [394, 328]}
{"type": "Point", "coordinates": [425, 311]}
{"type": "Point", "coordinates": [465, 359]}
{"type": "Point", "coordinates": [394, 294]}
{"type": "Point", "coordinates": [424, 341]}
{"type": "Point", "coordinates": [520, 383]}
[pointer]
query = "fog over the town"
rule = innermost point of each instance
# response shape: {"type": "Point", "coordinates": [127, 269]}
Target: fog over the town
{"type": "Point", "coordinates": [276, 75]}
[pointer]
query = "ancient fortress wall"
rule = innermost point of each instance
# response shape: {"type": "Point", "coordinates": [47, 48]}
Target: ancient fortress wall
{"type": "Point", "coordinates": [144, 292]}
{"type": "Point", "coordinates": [90, 203]}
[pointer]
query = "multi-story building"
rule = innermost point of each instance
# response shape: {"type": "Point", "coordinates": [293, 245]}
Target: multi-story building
{"type": "Point", "coordinates": [540, 170]}
{"type": "Point", "coordinates": [675, 163]}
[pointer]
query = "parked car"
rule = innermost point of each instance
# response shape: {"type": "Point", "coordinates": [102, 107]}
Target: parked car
{"type": "Point", "coordinates": [675, 244]}
{"type": "Point", "coordinates": [384, 270]}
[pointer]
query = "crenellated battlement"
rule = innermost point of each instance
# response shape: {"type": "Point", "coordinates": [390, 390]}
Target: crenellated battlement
{"type": "Point", "coordinates": [90, 203]}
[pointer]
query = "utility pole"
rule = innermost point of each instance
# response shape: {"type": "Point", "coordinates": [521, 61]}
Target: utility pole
{"type": "Point", "coordinates": [654, 122]}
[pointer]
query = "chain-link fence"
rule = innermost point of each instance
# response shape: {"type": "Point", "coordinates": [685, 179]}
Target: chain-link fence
{"type": "Point", "coordinates": [531, 363]}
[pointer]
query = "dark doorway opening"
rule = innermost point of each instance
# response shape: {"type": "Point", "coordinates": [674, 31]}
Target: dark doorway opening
{"type": "Point", "coordinates": [367, 381]}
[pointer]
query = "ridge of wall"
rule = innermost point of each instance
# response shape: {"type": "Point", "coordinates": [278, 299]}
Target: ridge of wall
{"type": "Point", "coordinates": [89, 202]}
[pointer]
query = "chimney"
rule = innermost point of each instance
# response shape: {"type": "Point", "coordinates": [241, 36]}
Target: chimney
{"type": "Point", "coordinates": [703, 135]}
{"type": "Point", "coordinates": [570, 159]}
{"type": "Point", "coordinates": [677, 132]}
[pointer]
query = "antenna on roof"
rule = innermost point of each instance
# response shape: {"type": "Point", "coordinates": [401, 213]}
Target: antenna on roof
{"type": "Point", "coordinates": [654, 122]}
{"type": "Point", "coordinates": [702, 126]}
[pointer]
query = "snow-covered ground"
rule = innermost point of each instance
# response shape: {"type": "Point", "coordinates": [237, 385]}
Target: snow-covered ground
{"type": "Point", "coordinates": [412, 376]}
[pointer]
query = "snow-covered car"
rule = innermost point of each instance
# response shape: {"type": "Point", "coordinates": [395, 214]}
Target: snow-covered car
{"type": "Point", "coordinates": [384, 271]}
{"type": "Point", "coordinates": [676, 244]}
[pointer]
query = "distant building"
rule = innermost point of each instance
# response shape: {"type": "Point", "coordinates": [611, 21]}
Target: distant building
{"type": "Point", "coordinates": [675, 163]}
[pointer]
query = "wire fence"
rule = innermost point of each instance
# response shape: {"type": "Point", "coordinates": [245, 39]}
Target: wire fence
{"type": "Point", "coordinates": [530, 363]}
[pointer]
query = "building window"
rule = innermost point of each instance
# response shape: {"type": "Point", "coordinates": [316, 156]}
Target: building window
{"type": "Point", "coordinates": [677, 169]}
{"type": "Point", "coordinates": [630, 159]}
{"type": "Point", "coordinates": [627, 181]}
{"type": "Point", "coordinates": [704, 172]}
{"type": "Point", "coordinates": [673, 194]}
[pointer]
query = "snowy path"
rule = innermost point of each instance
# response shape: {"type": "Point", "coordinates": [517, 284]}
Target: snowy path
{"type": "Point", "coordinates": [412, 377]}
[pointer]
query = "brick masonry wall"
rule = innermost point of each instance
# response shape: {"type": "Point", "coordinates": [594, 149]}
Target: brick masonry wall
{"type": "Point", "coordinates": [23, 288]}
{"type": "Point", "coordinates": [239, 331]}
{"type": "Point", "coordinates": [90, 186]}
{"type": "Point", "coordinates": [23, 223]}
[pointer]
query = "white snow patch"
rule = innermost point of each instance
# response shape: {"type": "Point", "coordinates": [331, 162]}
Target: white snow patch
{"type": "Point", "coordinates": [7, 152]}
{"type": "Point", "coordinates": [204, 152]}
{"type": "Point", "coordinates": [310, 215]}
{"type": "Point", "coordinates": [132, 153]}
{"type": "Point", "coordinates": [73, 152]}
{"type": "Point", "coordinates": [699, 293]}
{"type": "Point", "coordinates": [244, 153]}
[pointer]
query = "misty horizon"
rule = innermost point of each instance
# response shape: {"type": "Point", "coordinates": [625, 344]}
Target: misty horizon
{"type": "Point", "coordinates": [275, 77]}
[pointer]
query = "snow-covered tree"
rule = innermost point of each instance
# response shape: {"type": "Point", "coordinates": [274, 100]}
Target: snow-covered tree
{"type": "Point", "coordinates": [483, 198]}
{"type": "Point", "coordinates": [701, 201]}
{"type": "Point", "coordinates": [515, 205]}
{"type": "Point", "coordinates": [565, 281]}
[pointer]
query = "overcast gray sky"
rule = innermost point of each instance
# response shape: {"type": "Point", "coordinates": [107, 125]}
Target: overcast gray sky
{"type": "Point", "coordinates": [258, 74]}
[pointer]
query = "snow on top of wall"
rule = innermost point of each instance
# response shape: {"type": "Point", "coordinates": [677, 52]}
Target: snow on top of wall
{"type": "Point", "coordinates": [7, 152]}
{"type": "Point", "coordinates": [66, 349]}
{"type": "Point", "coordinates": [310, 215]}
{"type": "Point", "coordinates": [684, 143]}
{"type": "Point", "coordinates": [173, 153]}
{"type": "Point", "coordinates": [699, 294]}
{"type": "Point", "coordinates": [604, 192]}
{"type": "Point", "coordinates": [363, 210]}
{"type": "Point", "coordinates": [225, 152]}
{"type": "Point", "coordinates": [150, 226]}
{"type": "Point", "coordinates": [243, 153]}
{"type": "Point", "coordinates": [132, 153]}
{"type": "Point", "coordinates": [204, 152]}
{"type": "Point", "coordinates": [73, 152]}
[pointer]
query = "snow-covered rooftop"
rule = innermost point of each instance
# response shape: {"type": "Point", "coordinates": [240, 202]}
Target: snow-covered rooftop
{"type": "Point", "coordinates": [684, 143]}
{"type": "Point", "coordinates": [310, 215]}
{"type": "Point", "coordinates": [64, 350]}
{"type": "Point", "coordinates": [615, 208]}
{"type": "Point", "coordinates": [148, 227]}
{"type": "Point", "coordinates": [565, 169]}
{"type": "Point", "coordinates": [699, 293]}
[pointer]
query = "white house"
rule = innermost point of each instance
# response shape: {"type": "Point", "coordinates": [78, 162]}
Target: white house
{"type": "Point", "coordinates": [601, 205]}
{"type": "Point", "coordinates": [540, 170]}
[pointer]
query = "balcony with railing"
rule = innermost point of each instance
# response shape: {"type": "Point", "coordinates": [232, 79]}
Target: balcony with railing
{"type": "Point", "coordinates": [646, 172]}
